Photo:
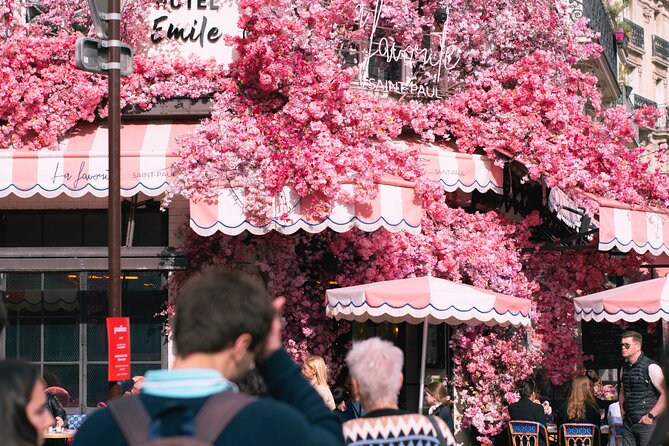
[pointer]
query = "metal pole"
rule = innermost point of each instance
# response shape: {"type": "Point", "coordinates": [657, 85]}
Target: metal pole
{"type": "Point", "coordinates": [114, 199]}
{"type": "Point", "coordinates": [423, 360]}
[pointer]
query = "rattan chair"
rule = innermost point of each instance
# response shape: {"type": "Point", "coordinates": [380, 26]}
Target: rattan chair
{"type": "Point", "coordinates": [579, 434]}
{"type": "Point", "coordinates": [526, 433]}
{"type": "Point", "coordinates": [616, 432]}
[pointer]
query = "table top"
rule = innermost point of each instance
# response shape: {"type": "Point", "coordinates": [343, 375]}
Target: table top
{"type": "Point", "coordinates": [67, 433]}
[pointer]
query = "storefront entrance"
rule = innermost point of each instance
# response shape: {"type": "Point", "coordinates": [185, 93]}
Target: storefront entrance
{"type": "Point", "coordinates": [57, 322]}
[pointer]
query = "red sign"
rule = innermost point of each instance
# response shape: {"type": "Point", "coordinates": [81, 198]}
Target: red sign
{"type": "Point", "coordinates": [118, 345]}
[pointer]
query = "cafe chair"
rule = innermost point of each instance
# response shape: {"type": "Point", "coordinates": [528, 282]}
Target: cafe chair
{"type": "Point", "coordinates": [526, 433]}
{"type": "Point", "coordinates": [76, 420]}
{"type": "Point", "coordinates": [579, 434]}
{"type": "Point", "coordinates": [616, 433]}
{"type": "Point", "coordinates": [60, 393]}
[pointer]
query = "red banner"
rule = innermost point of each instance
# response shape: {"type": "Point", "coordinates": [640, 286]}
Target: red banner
{"type": "Point", "coordinates": [118, 346]}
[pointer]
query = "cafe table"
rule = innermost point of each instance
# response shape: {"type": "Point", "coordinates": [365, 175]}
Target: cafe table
{"type": "Point", "coordinates": [65, 433]}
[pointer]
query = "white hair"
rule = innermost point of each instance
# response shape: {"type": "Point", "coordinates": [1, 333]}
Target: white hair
{"type": "Point", "coordinates": [377, 367]}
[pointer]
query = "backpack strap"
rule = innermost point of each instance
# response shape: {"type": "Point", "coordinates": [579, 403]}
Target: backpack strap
{"type": "Point", "coordinates": [435, 424]}
{"type": "Point", "coordinates": [217, 412]}
{"type": "Point", "coordinates": [132, 419]}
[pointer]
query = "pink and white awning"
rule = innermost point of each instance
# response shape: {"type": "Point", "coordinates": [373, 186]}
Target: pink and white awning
{"type": "Point", "coordinates": [647, 300]}
{"type": "Point", "coordinates": [418, 299]}
{"type": "Point", "coordinates": [395, 207]}
{"type": "Point", "coordinates": [80, 166]}
{"type": "Point", "coordinates": [628, 227]}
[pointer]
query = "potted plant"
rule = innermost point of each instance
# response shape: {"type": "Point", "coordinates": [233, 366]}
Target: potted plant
{"type": "Point", "coordinates": [620, 35]}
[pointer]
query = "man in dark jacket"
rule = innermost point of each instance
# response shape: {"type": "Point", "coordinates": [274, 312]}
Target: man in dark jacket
{"type": "Point", "coordinates": [642, 397]}
{"type": "Point", "coordinates": [224, 322]}
{"type": "Point", "coordinates": [526, 409]}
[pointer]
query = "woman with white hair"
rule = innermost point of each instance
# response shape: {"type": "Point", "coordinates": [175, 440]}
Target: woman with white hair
{"type": "Point", "coordinates": [375, 366]}
{"type": "Point", "coordinates": [316, 372]}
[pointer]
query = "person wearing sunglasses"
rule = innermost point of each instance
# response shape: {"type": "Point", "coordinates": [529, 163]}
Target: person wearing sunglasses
{"type": "Point", "coordinates": [642, 397]}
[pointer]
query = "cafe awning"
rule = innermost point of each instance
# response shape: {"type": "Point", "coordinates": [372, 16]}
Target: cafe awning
{"type": "Point", "coordinates": [628, 227]}
{"type": "Point", "coordinates": [80, 165]}
{"type": "Point", "coordinates": [395, 207]}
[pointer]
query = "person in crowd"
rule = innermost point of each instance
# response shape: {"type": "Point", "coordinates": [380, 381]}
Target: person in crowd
{"type": "Point", "coordinates": [526, 409]}
{"type": "Point", "coordinates": [376, 374]}
{"type": "Point", "coordinates": [340, 396]}
{"type": "Point", "coordinates": [55, 407]}
{"type": "Point", "coordinates": [224, 322]}
{"type": "Point", "coordinates": [613, 417]}
{"type": "Point", "coordinates": [253, 384]}
{"type": "Point", "coordinates": [23, 412]}
{"type": "Point", "coordinates": [660, 435]}
{"type": "Point", "coordinates": [132, 386]}
{"type": "Point", "coordinates": [642, 397]}
{"type": "Point", "coordinates": [353, 407]}
{"type": "Point", "coordinates": [439, 402]}
{"type": "Point", "coordinates": [580, 406]}
{"type": "Point", "coordinates": [316, 372]}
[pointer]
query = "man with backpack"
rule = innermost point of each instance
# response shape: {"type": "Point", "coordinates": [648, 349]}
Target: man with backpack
{"type": "Point", "coordinates": [224, 323]}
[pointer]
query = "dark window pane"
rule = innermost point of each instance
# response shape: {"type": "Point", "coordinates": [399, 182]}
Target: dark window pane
{"type": "Point", "coordinates": [145, 341]}
{"type": "Point", "coordinates": [23, 339]}
{"type": "Point", "coordinates": [61, 294]}
{"type": "Point", "coordinates": [141, 369]}
{"type": "Point", "coordinates": [65, 377]}
{"type": "Point", "coordinates": [96, 347]}
{"type": "Point", "coordinates": [62, 229]}
{"type": "Point", "coordinates": [23, 229]}
{"type": "Point", "coordinates": [95, 229]}
{"type": "Point", "coordinates": [22, 281]}
{"type": "Point", "coordinates": [98, 386]}
{"type": "Point", "coordinates": [61, 339]}
{"type": "Point", "coordinates": [150, 229]}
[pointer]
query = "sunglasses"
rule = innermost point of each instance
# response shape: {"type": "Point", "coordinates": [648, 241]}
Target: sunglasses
{"type": "Point", "coordinates": [626, 346]}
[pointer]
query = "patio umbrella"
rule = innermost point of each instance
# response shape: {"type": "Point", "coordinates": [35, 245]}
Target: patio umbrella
{"type": "Point", "coordinates": [427, 300]}
{"type": "Point", "coordinates": [647, 300]}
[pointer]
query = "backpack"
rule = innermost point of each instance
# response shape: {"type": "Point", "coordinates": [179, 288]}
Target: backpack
{"type": "Point", "coordinates": [140, 430]}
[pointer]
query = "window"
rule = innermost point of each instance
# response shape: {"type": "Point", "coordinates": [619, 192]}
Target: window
{"type": "Point", "coordinates": [57, 321]}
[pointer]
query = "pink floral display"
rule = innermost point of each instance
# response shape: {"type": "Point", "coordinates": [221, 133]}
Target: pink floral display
{"type": "Point", "coordinates": [284, 114]}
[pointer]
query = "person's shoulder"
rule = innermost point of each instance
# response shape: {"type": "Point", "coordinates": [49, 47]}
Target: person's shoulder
{"type": "Point", "coordinates": [97, 429]}
{"type": "Point", "coordinates": [386, 427]}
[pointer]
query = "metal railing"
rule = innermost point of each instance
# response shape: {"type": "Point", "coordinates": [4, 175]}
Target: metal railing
{"type": "Point", "coordinates": [640, 101]}
{"type": "Point", "coordinates": [662, 120]}
{"type": "Point", "coordinates": [636, 37]}
{"type": "Point", "coordinates": [660, 48]}
{"type": "Point", "coordinates": [601, 23]}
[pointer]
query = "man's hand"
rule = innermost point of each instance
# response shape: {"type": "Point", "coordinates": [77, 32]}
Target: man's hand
{"type": "Point", "coordinates": [273, 342]}
{"type": "Point", "coordinates": [59, 422]}
{"type": "Point", "coordinates": [646, 420]}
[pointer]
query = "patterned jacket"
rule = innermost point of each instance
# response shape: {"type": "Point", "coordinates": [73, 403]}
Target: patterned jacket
{"type": "Point", "coordinates": [395, 428]}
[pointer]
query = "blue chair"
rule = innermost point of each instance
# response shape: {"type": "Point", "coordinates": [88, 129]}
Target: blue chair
{"type": "Point", "coordinates": [579, 434]}
{"type": "Point", "coordinates": [526, 433]}
{"type": "Point", "coordinates": [76, 420]}
{"type": "Point", "coordinates": [616, 432]}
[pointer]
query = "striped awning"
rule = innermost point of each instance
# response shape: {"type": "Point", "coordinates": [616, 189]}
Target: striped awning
{"type": "Point", "coordinates": [627, 227]}
{"type": "Point", "coordinates": [80, 165]}
{"type": "Point", "coordinates": [395, 207]}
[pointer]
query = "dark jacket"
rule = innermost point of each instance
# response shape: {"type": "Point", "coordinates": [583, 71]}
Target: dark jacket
{"type": "Point", "coordinates": [54, 406]}
{"type": "Point", "coordinates": [444, 412]}
{"type": "Point", "coordinates": [528, 410]}
{"type": "Point", "coordinates": [294, 416]}
{"type": "Point", "coordinates": [592, 416]}
{"type": "Point", "coordinates": [640, 393]}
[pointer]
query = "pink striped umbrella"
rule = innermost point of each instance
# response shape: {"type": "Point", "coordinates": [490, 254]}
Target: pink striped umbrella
{"type": "Point", "coordinates": [647, 300]}
{"type": "Point", "coordinates": [429, 300]}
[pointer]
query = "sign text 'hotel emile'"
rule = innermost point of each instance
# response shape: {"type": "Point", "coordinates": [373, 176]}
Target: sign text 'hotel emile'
{"type": "Point", "coordinates": [198, 26]}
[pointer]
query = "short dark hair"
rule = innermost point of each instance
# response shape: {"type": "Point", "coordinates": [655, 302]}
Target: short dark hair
{"type": "Point", "coordinates": [216, 307]}
{"type": "Point", "coordinates": [526, 388]}
{"type": "Point", "coordinates": [636, 337]}
{"type": "Point", "coordinates": [340, 394]}
{"type": "Point", "coordinates": [16, 388]}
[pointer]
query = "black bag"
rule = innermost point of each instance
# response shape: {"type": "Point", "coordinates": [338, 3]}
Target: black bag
{"type": "Point", "coordinates": [140, 430]}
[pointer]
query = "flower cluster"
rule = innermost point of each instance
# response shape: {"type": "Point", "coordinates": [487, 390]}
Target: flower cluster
{"type": "Point", "coordinates": [606, 392]}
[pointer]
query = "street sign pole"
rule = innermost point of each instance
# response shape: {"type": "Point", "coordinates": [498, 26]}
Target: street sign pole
{"type": "Point", "coordinates": [114, 199]}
